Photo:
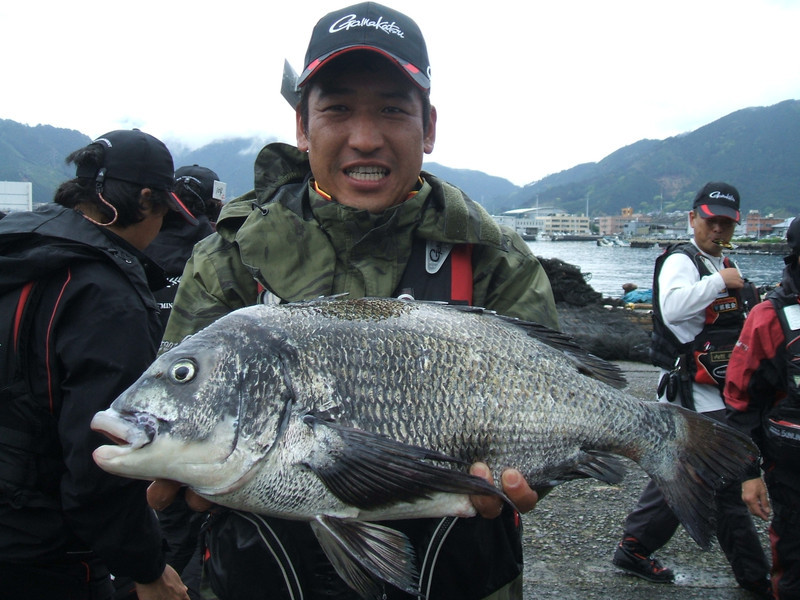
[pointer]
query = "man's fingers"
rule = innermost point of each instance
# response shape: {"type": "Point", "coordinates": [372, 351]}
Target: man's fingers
{"type": "Point", "coordinates": [161, 493]}
{"type": "Point", "coordinates": [518, 491]}
{"type": "Point", "coordinates": [488, 507]}
{"type": "Point", "coordinates": [196, 502]}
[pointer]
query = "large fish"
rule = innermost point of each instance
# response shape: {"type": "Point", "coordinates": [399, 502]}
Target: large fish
{"type": "Point", "coordinates": [345, 412]}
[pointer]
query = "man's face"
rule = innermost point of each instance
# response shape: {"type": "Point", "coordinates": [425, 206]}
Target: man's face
{"type": "Point", "coordinates": [364, 136]}
{"type": "Point", "coordinates": [708, 230]}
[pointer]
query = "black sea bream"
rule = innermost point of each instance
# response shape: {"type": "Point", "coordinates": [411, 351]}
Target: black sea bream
{"type": "Point", "coordinates": [342, 412]}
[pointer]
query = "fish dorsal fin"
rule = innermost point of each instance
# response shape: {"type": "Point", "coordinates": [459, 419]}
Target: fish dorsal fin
{"type": "Point", "coordinates": [364, 554]}
{"type": "Point", "coordinates": [587, 364]}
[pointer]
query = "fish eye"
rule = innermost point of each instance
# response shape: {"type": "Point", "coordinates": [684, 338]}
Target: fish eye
{"type": "Point", "coordinates": [183, 370]}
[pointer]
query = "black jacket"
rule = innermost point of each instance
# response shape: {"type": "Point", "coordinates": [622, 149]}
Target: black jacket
{"type": "Point", "coordinates": [171, 249]}
{"type": "Point", "coordinates": [94, 330]}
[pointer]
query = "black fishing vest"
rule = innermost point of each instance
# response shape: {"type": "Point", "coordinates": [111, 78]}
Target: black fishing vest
{"type": "Point", "coordinates": [30, 457]}
{"type": "Point", "coordinates": [437, 271]}
{"type": "Point", "coordinates": [782, 422]}
{"type": "Point", "coordinates": [707, 356]}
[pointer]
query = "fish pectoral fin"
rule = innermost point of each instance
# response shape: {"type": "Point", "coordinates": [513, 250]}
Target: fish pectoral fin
{"type": "Point", "coordinates": [369, 470]}
{"type": "Point", "coordinates": [365, 554]}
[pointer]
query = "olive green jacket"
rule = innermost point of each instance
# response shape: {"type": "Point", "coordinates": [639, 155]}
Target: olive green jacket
{"type": "Point", "coordinates": [283, 237]}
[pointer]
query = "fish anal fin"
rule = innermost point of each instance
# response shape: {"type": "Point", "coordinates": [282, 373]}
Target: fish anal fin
{"type": "Point", "coordinates": [603, 466]}
{"type": "Point", "coordinates": [366, 554]}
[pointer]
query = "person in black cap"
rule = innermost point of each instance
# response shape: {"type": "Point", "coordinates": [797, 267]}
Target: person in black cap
{"type": "Point", "coordinates": [79, 325]}
{"type": "Point", "coordinates": [201, 191]}
{"type": "Point", "coordinates": [762, 393]}
{"type": "Point", "coordinates": [700, 301]}
{"type": "Point", "coordinates": [349, 210]}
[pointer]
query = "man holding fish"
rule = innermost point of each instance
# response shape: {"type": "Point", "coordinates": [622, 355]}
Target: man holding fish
{"type": "Point", "coordinates": [349, 211]}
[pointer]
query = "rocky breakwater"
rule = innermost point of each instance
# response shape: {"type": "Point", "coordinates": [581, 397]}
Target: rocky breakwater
{"type": "Point", "coordinates": [601, 325]}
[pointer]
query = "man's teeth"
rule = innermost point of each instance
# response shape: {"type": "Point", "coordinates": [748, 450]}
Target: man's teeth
{"type": "Point", "coordinates": [366, 173]}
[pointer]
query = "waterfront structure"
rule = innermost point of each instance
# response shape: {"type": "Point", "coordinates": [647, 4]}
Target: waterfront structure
{"type": "Point", "coordinates": [756, 226]}
{"type": "Point", "coordinates": [544, 223]}
{"type": "Point", "coordinates": [16, 196]}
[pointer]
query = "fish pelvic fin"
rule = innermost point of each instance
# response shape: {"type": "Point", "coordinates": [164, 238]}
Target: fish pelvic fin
{"type": "Point", "coordinates": [369, 470]}
{"type": "Point", "coordinates": [707, 456]}
{"type": "Point", "coordinates": [367, 554]}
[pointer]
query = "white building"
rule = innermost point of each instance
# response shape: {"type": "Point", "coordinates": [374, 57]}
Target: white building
{"type": "Point", "coordinates": [16, 196]}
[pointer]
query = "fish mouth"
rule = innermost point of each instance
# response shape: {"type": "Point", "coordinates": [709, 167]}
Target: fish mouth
{"type": "Point", "coordinates": [129, 431]}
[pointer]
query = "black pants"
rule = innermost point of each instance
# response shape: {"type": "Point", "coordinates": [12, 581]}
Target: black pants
{"type": "Point", "coordinates": [70, 580]}
{"type": "Point", "coordinates": [653, 524]}
{"type": "Point", "coordinates": [784, 534]}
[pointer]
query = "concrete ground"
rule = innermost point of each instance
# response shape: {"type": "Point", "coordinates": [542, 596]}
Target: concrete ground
{"type": "Point", "coordinates": [569, 539]}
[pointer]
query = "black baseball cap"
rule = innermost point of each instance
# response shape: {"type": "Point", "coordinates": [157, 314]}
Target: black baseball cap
{"type": "Point", "coordinates": [136, 157]}
{"type": "Point", "coordinates": [204, 179]}
{"type": "Point", "coordinates": [717, 199]}
{"type": "Point", "coordinates": [793, 239]}
{"type": "Point", "coordinates": [369, 26]}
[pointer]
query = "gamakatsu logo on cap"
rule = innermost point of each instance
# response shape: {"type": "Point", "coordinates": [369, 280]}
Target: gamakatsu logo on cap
{"type": "Point", "coordinates": [351, 21]}
{"type": "Point", "coordinates": [716, 195]}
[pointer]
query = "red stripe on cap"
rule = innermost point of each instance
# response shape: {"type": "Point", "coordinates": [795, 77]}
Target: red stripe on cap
{"type": "Point", "coordinates": [185, 212]}
{"type": "Point", "coordinates": [706, 213]}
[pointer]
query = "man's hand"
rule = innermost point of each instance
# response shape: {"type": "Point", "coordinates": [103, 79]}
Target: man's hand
{"type": "Point", "coordinates": [514, 486]}
{"type": "Point", "coordinates": [754, 495]}
{"type": "Point", "coordinates": [167, 587]}
{"type": "Point", "coordinates": [161, 493]}
{"type": "Point", "coordinates": [732, 278]}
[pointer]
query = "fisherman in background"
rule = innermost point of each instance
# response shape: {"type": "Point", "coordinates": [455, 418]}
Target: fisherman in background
{"type": "Point", "coordinates": [700, 301]}
{"type": "Point", "coordinates": [349, 211]}
{"type": "Point", "coordinates": [200, 189]}
{"type": "Point", "coordinates": [79, 325]}
{"type": "Point", "coordinates": [633, 295]}
{"type": "Point", "coordinates": [762, 393]}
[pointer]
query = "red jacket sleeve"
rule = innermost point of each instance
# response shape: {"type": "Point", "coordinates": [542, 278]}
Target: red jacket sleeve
{"type": "Point", "coordinates": [751, 378]}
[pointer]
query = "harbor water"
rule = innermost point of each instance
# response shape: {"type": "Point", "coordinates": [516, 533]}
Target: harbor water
{"type": "Point", "coordinates": [606, 268]}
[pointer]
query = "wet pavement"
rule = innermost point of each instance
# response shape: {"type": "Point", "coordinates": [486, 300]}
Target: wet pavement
{"type": "Point", "coordinates": [570, 537]}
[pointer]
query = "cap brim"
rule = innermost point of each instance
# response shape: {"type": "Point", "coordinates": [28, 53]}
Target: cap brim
{"type": "Point", "coordinates": [411, 71]}
{"type": "Point", "coordinates": [180, 208]}
{"type": "Point", "coordinates": [715, 210]}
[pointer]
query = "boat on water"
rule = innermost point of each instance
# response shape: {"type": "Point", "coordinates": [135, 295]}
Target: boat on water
{"type": "Point", "coordinates": [574, 237]}
{"type": "Point", "coordinates": [609, 241]}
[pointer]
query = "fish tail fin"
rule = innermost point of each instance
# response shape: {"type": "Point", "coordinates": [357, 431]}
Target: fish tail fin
{"type": "Point", "coordinates": [700, 456]}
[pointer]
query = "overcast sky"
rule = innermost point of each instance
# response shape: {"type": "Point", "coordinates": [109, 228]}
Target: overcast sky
{"type": "Point", "coordinates": [522, 89]}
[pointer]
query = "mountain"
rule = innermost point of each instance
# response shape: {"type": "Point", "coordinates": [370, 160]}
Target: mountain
{"type": "Point", "coordinates": [755, 149]}
{"type": "Point", "coordinates": [36, 154]}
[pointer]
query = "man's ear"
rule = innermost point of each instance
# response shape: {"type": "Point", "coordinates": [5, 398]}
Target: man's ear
{"type": "Point", "coordinates": [430, 134]}
{"type": "Point", "coordinates": [302, 138]}
{"type": "Point", "coordinates": [145, 199]}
